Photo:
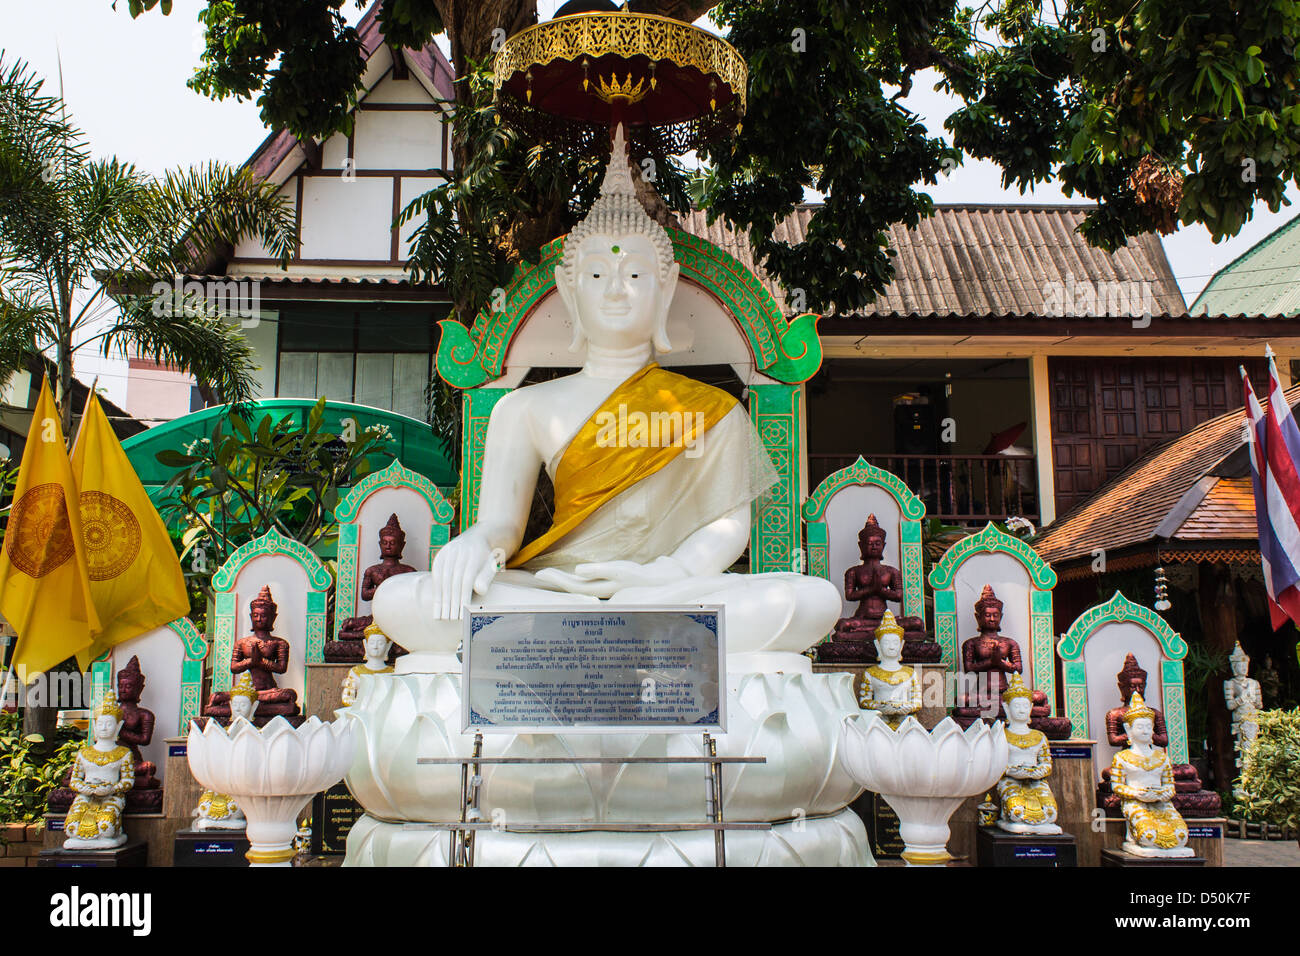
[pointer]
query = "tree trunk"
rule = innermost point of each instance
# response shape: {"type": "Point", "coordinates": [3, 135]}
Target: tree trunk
{"type": "Point", "coordinates": [1218, 610]}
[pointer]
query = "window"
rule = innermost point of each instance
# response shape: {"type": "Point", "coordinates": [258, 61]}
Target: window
{"type": "Point", "coordinates": [372, 356]}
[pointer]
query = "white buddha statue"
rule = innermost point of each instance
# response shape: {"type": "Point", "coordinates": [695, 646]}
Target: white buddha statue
{"type": "Point", "coordinates": [219, 811]}
{"type": "Point", "coordinates": [1144, 779]}
{"type": "Point", "coordinates": [377, 645]}
{"type": "Point", "coordinates": [102, 773]}
{"type": "Point", "coordinates": [890, 686]}
{"type": "Point", "coordinates": [1027, 804]}
{"type": "Point", "coordinates": [654, 475]}
{"type": "Point", "coordinates": [1245, 700]}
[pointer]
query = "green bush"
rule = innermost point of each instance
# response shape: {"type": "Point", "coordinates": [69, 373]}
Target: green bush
{"type": "Point", "coordinates": [1270, 780]}
{"type": "Point", "coordinates": [30, 767]}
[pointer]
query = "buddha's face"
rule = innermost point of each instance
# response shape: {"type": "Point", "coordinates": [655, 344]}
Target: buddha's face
{"type": "Point", "coordinates": [390, 545]}
{"type": "Point", "coordinates": [261, 617]}
{"type": "Point", "coordinates": [376, 645]}
{"type": "Point", "coordinates": [616, 295]}
{"type": "Point", "coordinates": [989, 617]}
{"type": "Point", "coordinates": [1240, 667]}
{"type": "Point", "coordinates": [1135, 685]}
{"type": "Point", "coordinates": [871, 545]}
{"type": "Point", "coordinates": [1019, 708]}
{"type": "Point", "coordinates": [106, 728]}
{"type": "Point", "coordinates": [1141, 730]}
{"type": "Point", "coordinates": [129, 686]}
{"type": "Point", "coordinates": [889, 647]}
{"type": "Point", "coordinates": [241, 706]}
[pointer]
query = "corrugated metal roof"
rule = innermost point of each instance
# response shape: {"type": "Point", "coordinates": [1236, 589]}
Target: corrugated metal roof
{"type": "Point", "coordinates": [1264, 278]}
{"type": "Point", "coordinates": [989, 259]}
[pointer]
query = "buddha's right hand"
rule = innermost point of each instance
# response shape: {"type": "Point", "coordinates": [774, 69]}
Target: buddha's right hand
{"type": "Point", "coordinates": [463, 565]}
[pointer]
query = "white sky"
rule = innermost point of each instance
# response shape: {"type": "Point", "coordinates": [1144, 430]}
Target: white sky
{"type": "Point", "coordinates": [124, 82]}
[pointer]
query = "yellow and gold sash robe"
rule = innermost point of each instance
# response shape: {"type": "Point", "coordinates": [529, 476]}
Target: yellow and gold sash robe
{"type": "Point", "coordinates": [601, 462]}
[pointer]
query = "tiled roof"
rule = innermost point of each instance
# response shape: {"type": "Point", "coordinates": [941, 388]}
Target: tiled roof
{"type": "Point", "coordinates": [1131, 507]}
{"type": "Point", "coordinates": [1226, 511]}
{"type": "Point", "coordinates": [984, 259]}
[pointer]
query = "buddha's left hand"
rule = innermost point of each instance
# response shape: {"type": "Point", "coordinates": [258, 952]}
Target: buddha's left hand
{"type": "Point", "coordinates": [602, 578]}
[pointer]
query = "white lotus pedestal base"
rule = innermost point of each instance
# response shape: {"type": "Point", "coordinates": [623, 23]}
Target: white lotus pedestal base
{"type": "Point", "coordinates": [924, 775]}
{"type": "Point", "coordinates": [1151, 852]}
{"type": "Point", "coordinates": [838, 840]}
{"type": "Point", "coordinates": [791, 718]}
{"type": "Point", "coordinates": [271, 773]}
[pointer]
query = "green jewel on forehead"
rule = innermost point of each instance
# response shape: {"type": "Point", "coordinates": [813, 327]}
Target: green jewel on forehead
{"type": "Point", "coordinates": [614, 250]}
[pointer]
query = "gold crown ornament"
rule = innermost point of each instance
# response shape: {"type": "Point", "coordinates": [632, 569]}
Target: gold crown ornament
{"type": "Point", "coordinates": [1016, 688]}
{"type": "Point", "coordinates": [244, 687]}
{"type": "Point", "coordinates": [888, 625]}
{"type": "Point", "coordinates": [1137, 707]}
{"type": "Point", "coordinates": [372, 629]}
{"type": "Point", "coordinates": [108, 705]}
{"type": "Point", "coordinates": [627, 93]}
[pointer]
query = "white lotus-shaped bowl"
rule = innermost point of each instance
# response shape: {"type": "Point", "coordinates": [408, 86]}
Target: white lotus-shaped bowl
{"type": "Point", "coordinates": [924, 775]}
{"type": "Point", "coordinates": [271, 772]}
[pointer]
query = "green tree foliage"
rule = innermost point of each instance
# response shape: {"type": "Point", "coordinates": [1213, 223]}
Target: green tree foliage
{"type": "Point", "coordinates": [1163, 111]}
{"type": "Point", "coordinates": [70, 222]}
{"type": "Point", "coordinates": [30, 767]}
{"type": "Point", "coordinates": [244, 479]}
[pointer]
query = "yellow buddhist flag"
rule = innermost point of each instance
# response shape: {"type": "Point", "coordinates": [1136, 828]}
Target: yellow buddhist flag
{"type": "Point", "coordinates": [44, 579]}
{"type": "Point", "coordinates": [135, 576]}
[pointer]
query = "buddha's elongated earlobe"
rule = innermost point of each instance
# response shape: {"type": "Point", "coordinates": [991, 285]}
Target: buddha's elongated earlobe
{"type": "Point", "coordinates": [565, 292]}
{"type": "Point", "coordinates": [661, 342]}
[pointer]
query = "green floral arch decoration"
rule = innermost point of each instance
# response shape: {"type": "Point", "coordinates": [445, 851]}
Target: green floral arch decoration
{"type": "Point", "coordinates": [787, 351]}
{"type": "Point", "coordinates": [1118, 610]}
{"type": "Point", "coordinates": [273, 543]}
{"type": "Point", "coordinates": [991, 539]}
{"type": "Point", "coordinates": [395, 475]}
{"type": "Point", "coordinates": [862, 472]}
{"type": "Point", "coordinates": [196, 648]}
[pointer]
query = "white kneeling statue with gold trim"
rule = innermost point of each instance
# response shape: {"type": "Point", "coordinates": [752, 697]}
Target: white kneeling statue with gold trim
{"type": "Point", "coordinates": [1144, 779]}
{"type": "Point", "coordinates": [890, 687]}
{"type": "Point", "coordinates": [1024, 796]}
{"type": "Point", "coordinates": [219, 811]}
{"type": "Point", "coordinates": [377, 647]}
{"type": "Point", "coordinates": [102, 773]}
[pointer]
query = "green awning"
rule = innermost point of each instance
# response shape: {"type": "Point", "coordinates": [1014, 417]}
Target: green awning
{"type": "Point", "coordinates": [412, 442]}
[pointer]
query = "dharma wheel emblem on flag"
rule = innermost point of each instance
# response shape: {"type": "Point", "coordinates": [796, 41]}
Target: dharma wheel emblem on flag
{"type": "Point", "coordinates": [39, 537]}
{"type": "Point", "coordinates": [111, 533]}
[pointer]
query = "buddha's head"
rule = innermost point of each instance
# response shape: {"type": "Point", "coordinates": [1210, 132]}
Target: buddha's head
{"type": "Point", "coordinates": [377, 643]}
{"type": "Point", "coordinates": [988, 610]}
{"type": "Point", "coordinates": [130, 682]}
{"type": "Point", "coordinates": [262, 610]}
{"type": "Point", "coordinates": [1132, 679]}
{"type": "Point", "coordinates": [889, 638]}
{"type": "Point", "coordinates": [392, 539]}
{"type": "Point", "coordinates": [617, 275]}
{"type": "Point", "coordinates": [1239, 661]}
{"type": "Point", "coordinates": [243, 698]}
{"type": "Point", "coordinates": [1139, 720]}
{"type": "Point", "coordinates": [1018, 700]}
{"type": "Point", "coordinates": [107, 719]}
{"type": "Point", "coordinates": [871, 539]}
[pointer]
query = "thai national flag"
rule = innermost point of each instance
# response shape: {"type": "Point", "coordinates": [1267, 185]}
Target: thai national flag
{"type": "Point", "coordinates": [1275, 468]}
